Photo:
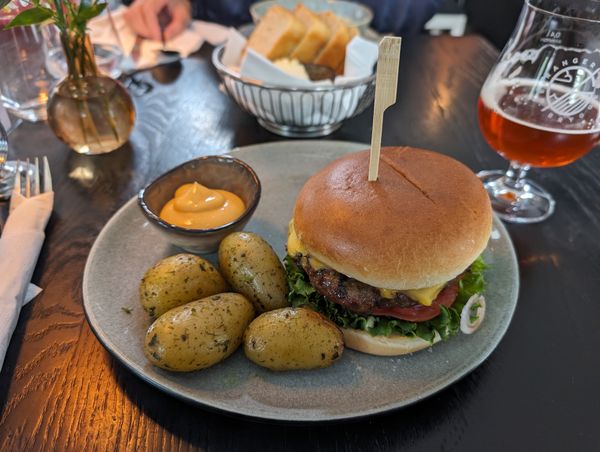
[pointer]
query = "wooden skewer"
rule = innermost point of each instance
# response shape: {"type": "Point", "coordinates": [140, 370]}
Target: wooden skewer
{"type": "Point", "coordinates": [386, 82]}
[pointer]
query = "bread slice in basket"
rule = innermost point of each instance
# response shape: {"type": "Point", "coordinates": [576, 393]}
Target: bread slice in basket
{"type": "Point", "coordinates": [316, 37]}
{"type": "Point", "coordinates": [334, 52]}
{"type": "Point", "coordinates": [303, 35]}
{"type": "Point", "coordinates": [277, 34]}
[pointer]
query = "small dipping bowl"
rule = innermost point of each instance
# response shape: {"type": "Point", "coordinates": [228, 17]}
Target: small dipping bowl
{"type": "Point", "coordinates": [216, 172]}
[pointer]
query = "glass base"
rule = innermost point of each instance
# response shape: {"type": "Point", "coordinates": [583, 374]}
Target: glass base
{"type": "Point", "coordinates": [299, 131]}
{"type": "Point", "coordinates": [528, 204]}
{"type": "Point", "coordinates": [32, 111]}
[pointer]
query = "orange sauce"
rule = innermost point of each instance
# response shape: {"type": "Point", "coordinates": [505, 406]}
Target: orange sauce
{"type": "Point", "coordinates": [198, 207]}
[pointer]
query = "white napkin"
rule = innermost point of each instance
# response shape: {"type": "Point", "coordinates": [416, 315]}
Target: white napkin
{"type": "Point", "coordinates": [20, 245]}
{"type": "Point", "coordinates": [189, 41]}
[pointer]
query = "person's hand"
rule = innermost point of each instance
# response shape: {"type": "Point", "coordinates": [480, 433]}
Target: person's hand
{"type": "Point", "coordinates": [142, 17]}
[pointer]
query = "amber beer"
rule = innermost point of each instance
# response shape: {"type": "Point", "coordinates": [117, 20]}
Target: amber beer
{"type": "Point", "coordinates": [529, 133]}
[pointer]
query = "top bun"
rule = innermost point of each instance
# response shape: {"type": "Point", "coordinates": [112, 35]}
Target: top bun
{"type": "Point", "coordinates": [422, 223]}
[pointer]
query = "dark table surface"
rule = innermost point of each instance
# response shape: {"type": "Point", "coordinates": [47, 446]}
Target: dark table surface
{"type": "Point", "coordinates": [539, 390]}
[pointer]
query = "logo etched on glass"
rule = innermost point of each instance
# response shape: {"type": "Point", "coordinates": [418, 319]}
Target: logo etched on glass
{"type": "Point", "coordinates": [571, 90]}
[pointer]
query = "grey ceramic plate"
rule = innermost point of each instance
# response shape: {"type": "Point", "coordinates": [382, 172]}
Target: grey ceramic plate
{"type": "Point", "coordinates": [357, 385]}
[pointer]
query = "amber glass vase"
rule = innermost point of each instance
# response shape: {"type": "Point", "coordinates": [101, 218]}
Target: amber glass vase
{"type": "Point", "coordinates": [90, 112]}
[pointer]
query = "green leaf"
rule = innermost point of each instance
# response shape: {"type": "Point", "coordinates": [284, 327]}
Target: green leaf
{"type": "Point", "coordinates": [472, 283]}
{"type": "Point", "coordinates": [89, 11]}
{"type": "Point", "coordinates": [446, 324]}
{"type": "Point", "coordinates": [31, 16]}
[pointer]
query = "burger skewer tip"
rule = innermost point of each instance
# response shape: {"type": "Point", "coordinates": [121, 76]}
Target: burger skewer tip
{"type": "Point", "coordinates": [386, 83]}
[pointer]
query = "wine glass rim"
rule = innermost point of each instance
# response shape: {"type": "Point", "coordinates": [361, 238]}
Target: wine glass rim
{"type": "Point", "coordinates": [551, 13]}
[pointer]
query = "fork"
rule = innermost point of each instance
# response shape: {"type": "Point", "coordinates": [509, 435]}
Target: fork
{"type": "Point", "coordinates": [3, 147]}
{"type": "Point", "coordinates": [33, 189]}
{"type": "Point", "coordinates": [5, 173]}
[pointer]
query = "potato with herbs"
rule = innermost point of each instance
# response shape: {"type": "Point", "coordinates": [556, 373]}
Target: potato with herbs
{"type": "Point", "coordinates": [199, 334]}
{"type": "Point", "coordinates": [252, 268]}
{"type": "Point", "coordinates": [177, 280]}
{"type": "Point", "coordinates": [293, 338]}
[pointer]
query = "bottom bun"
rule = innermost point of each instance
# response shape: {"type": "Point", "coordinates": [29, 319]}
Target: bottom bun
{"type": "Point", "coordinates": [393, 345]}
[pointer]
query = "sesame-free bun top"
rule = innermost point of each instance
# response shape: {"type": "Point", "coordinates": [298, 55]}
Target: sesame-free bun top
{"type": "Point", "coordinates": [422, 223]}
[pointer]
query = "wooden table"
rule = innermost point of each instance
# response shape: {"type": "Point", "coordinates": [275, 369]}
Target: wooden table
{"type": "Point", "coordinates": [60, 389]}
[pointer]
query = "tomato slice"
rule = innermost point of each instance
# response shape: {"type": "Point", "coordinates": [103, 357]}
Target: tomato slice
{"type": "Point", "coordinates": [418, 312]}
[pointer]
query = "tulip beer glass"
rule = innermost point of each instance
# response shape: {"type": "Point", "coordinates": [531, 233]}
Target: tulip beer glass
{"type": "Point", "coordinates": [539, 106]}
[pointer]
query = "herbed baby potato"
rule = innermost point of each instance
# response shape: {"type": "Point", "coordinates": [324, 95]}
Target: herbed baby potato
{"type": "Point", "coordinates": [252, 268]}
{"type": "Point", "coordinates": [176, 280]}
{"type": "Point", "coordinates": [199, 334]}
{"type": "Point", "coordinates": [293, 338]}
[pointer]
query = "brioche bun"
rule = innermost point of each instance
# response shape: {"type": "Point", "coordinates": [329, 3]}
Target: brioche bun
{"type": "Point", "coordinates": [422, 223]}
{"type": "Point", "coordinates": [393, 345]}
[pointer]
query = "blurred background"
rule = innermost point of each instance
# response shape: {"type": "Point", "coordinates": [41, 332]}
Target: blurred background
{"type": "Point", "coordinates": [493, 19]}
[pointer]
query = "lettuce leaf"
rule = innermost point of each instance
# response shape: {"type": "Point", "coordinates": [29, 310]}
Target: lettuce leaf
{"type": "Point", "coordinates": [446, 324]}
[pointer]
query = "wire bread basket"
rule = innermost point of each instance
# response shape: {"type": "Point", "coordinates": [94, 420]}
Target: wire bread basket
{"type": "Point", "coordinates": [301, 112]}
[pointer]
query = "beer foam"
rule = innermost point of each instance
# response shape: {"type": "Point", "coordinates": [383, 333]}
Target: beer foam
{"type": "Point", "coordinates": [492, 92]}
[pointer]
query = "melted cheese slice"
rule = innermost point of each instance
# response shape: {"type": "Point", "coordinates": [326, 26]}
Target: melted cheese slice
{"type": "Point", "coordinates": [423, 296]}
{"type": "Point", "coordinates": [294, 245]}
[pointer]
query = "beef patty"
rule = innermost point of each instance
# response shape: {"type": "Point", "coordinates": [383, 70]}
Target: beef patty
{"type": "Point", "coordinates": [362, 298]}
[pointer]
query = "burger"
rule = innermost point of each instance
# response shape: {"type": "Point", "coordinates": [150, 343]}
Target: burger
{"type": "Point", "coordinates": [392, 262]}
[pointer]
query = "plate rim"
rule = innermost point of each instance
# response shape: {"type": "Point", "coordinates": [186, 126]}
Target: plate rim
{"type": "Point", "coordinates": [112, 349]}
